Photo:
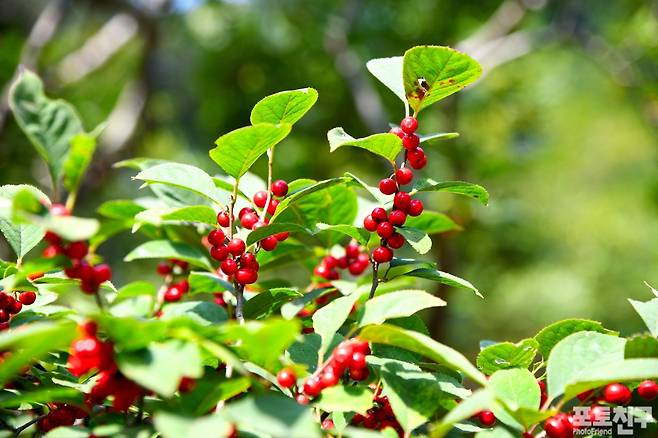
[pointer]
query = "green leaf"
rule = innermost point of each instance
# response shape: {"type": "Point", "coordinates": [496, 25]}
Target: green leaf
{"type": "Point", "coordinates": [50, 394]}
{"type": "Point", "coordinates": [396, 305]}
{"type": "Point", "coordinates": [202, 312]}
{"type": "Point", "coordinates": [239, 149]}
{"type": "Point", "coordinates": [389, 72]}
{"type": "Point", "coordinates": [135, 289]}
{"type": "Point", "coordinates": [49, 124]}
{"type": "Point", "coordinates": [444, 278]}
{"type": "Point", "coordinates": [166, 249]}
{"type": "Point", "coordinates": [120, 209]}
{"type": "Point", "coordinates": [290, 309]}
{"type": "Point", "coordinates": [517, 389]}
{"type": "Point", "coordinates": [507, 355]}
{"type": "Point", "coordinates": [648, 311]}
{"type": "Point", "coordinates": [385, 145]}
{"type": "Point", "coordinates": [186, 177]}
{"type": "Point", "coordinates": [132, 333]}
{"type": "Point", "coordinates": [373, 191]}
{"type": "Point", "coordinates": [418, 239]}
{"type": "Point", "coordinates": [431, 73]}
{"type": "Point", "coordinates": [207, 282]}
{"type": "Point", "coordinates": [575, 355]}
{"type": "Point", "coordinates": [272, 415]}
{"type": "Point", "coordinates": [21, 236]}
{"type": "Point", "coordinates": [78, 159]}
{"type": "Point", "coordinates": [414, 394]}
{"type": "Point", "coordinates": [641, 346]}
{"type": "Point", "coordinates": [298, 196]}
{"type": "Point", "coordinates": [279, 227]}
{"type": "Point", "coordinates": [161, 366]}
{"type": "Point", "coordinates": [328, 319]}
{"type": "Point", "coordinates": [210, 390]}
{"type": "Point", "coordinates": [196, 213]}
{"type": "Point", "coordinates": [550, 335]}
{"type": "Point", "coordinates": [432, 222]}
{"type": "Point", "coordinates": [478, 401]}
{"type": "Point", "coordinates": [458, 187]}
{"type": "Point", "coordinates": [423, 345]}
{"type": "Point", "coordinates": [341, 398]}
{"type": "Point", "coordinates": [284, 106]}
{"type": "Point", "coordinates": [174, 426]}
{"type": "Point", "coordinates": [268, 302]}
{"type": "Point", "coordinates": [438, 136]}
{"type": "Point", "coordinates": [361, 235]}
{"type": "Point", "coordinates": [71, 227]}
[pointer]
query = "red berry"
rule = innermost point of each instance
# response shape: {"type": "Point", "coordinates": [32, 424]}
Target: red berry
{"type": "Point", "coordinates": [360, 346]}
{"type": "Point", "coordinates": [229, 266]}
{"type": "Point", "coordinates": [387, 186]}
{"type": "Point", "coordinates": [487, 418]}
{"type": "Point", "coordinates": [329, 378]}
{"type": "Point", "coordinates": [397, 131]}
{"type": "Point", "coordinates": [359, 373]}
{"type": "Point", "coordinates": [357, 267]}
{"type": "Point", "coordinates": [15, 307]}
{"type": "Point", "coordinates": [415, 207]}
{"type": "Point", "coordinates": [59, 210]}
{"type": "Point", "coordinates": [404, 176]}
{"type": "Point", "coordinates": [379, 214]}
{"type": "Point", "coordinates": [321, 270]}
{"type": "Point", "coordinates": [385, 229]}
{"type": "Point", "coordinates": [415, 154]}
{"type": "Point", "coordinates": [4, 316]}
{"type": "Point", "coordinates": [352, 251]}
{"type": "Point", "coordinates": [556, 427]}
{"type": "Point", "coordinates": [27, 297]}
{"type": "Point", "coordinates": [410, 141]}
{"type": "Point", "coordinates": [312, 387]}
{"type": "Point", "coordinates": [180, 263]}
{"type": "Point", "coordinates": [260, 198]}
{"type": "Point", "coordinates": [358, 360]}
{"type": "Point", "coordinates": [216, 237]}
{"type": "Point", "coordinates": [282, 236]}
{"type": "Point", "coordinates": [244, 211]}
{"type": "Point", "coordinates": [395, 241]}
{"type": "Point", "coordinates": [173, 294]}
{"type": "Point", "coordinates": [409, 125]}
{"type": "Point", "coordinates": [184, 286]}
{"type": "Point", "coordinates": [88, 285]}
{"type": "Point", "coordinates": [219, 253]}
{"type": "Point", "coordinates": [52, 238]}
{"type": "Point", "coordinates": [301, 399]}
{"type": "Point", "coordinates": [186, 384]}
{"type": "Point", "coordinates": [381, 254]}
{"type": "Point", "coordinates": [280, 188]}
{"type": "Point", "coordinates": [236, 246]}
{"type": "Point", "coordinates": [269, 243]}
{"type": "Point", "coordinates": [162, 269]}
{"type": "Point", "coordinates": [246, 276]}
{"type": "Point", "coordinates": [401, 200]}
{"type": "Point", "coordinates": [77, 250]}
{"type": "Point", "coordinates": [248, 260]}
{"type": "Point", "coordinates": [342, 355]}
{"type": "Point", "coordinates": [397, 217]}
{"type": "Point", "coordinates": [102, 273]}
{"type": "Point", "coordinates": [369, 223]}
{"type": "Point", "coordinates": [419, 163]}
{"type": "Point", "coordinates": [248, 220]}
{"type": "Point", "coordinates": [648, 390]}
{"type": "Point", "coordinates": [223, 219]}
{"type": "Point", "coordinates": [286, 378]}
{"type": "Point", "coordinates": [327, 424]}
{"type": "Point", "coordinates": [52, 250]}
{"type": "Point", "coordinates": [616, 393]}
{"type": "Point", "coordinates": [582, 396]}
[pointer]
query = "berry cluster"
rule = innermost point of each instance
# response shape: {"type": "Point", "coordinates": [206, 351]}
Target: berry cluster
{"type": "Point", "coordinates": [88, 353]}
{"type": "Point", "coordinates": [11, 304]}
{"type": "Point", "coordinates": [380, 416]}
{"type": "Point", "coordinates": [60, 414]}
{"type": "Point", "coordinates": [174, 289]}
{"type": "Point", "coordinates": [355, 260]}
{"type": "Point", "coordinates": [379, 220]}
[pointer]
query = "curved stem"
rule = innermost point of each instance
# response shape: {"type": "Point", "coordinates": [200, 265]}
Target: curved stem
{"type": "Point", "coordinates": [375, 279]}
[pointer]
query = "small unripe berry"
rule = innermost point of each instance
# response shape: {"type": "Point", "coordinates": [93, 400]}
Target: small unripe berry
{"type": "Point", "coordinates": [236, 246]}
{"type": "Point", "coordinates": [381, 254]}
{"type": "Point", "coordinates": [387, 186]}
{"type": "Point", "coordinates": [616, 393]}
{"type": "Point", "coordinates": [487, 418]}
{"type": "Point", "coordinates": [260, 198]}
{"type": "Point", "coordinates": [27, 297]}
{"type": "Point", "coordinates": [379, 214]}
{"type": "Point", "coordinates": [223, 219]}
{"type": "Point", "coordinates": [246, 276]}
{"type": "Point", "coordinates": [385, 229]}
{"type": "Point", "coordinates": [404, 176]}
{"type": "Point", "coordinates": [415, 207]}
{"type": "Point", "coordinates": [410, 142]}
{"type": "Point", "coordinates": [369, 223]}
{"type": "Point", "coordinates": [269, 243]}
{"type": "Point", "coordinates": [280, 188]}
{"type": "Point", "coordinates": [409, 125]}
{"type": "Point", "coordinates": [397, 131]}
{"type": "Point", "coordinates": [401, 200]}
{"type": "Point", "coordinates": [216, 237]}
{"type": "Point", "coordinates": [648, 389]}
{"type": "Point", "coordinates": [219, 253]}
{"type": "Point", "coordinates": [163, 269]}
{"type": "Point", "coordinates": [397, 217]}
{"type": "Point", "coordinates": [286, 378]}
{"type": "Point", "coordinates": [229, 266]}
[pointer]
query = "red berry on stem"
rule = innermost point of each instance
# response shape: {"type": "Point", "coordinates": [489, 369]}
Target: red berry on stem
{"type": "Point", "coordinates": [419, 163]}
{"type": "Point", "coordinates": [369, 223]}
{"type": "Point", "coordinates": [358, 360]}
{"type": "Point", "coordinates": [286, 377]}
{"type": "Point", "coordinates": [282, 236]}
{"type": "Point", "coordinates": [223, 219]}
{"type": "Point", "coordinates": [59, 210]}
{"type": "Point", "coordinates": [52, 238]}
{"type": "Point", "coordinates": [280, 188]}
{"type": "Point", "coordinates": [397, 131]}
{"type": "Point", "coordinates": [15, 307]}
{"type": "Point", "coordinates": [342, 355]}
{"type": "Point", "coordinates": [4, 316]}
{"type": "Point", "coordinates": [410, 142]}
{"type": "Point", "coordinates": [415, 207]}
{"type": "Point", "coordinates": [302, 399]}
{"type": "Point", "coordinates": [357, 267]}
{"type": "Point", "coordinates": [327, 424]}
{"type": "Point", "coordinates": [401, 200]}
{"type": "Point", "coordinates": [487, 418]}
{"type": "Point", "coordinates": [409, 125]}
{"type": "Point", "coordinates": [216, 237]}
{"type": "Point", "coordinates": [360, 346]}
{"type": "Point", "coordinates": [219, 253]}
{"type": "Point", "coordinates": [379, 214]}
{"type": "Point", "coordinates": [260, 198]}
{"type": "Point", "coordinates": [329, 378]}
{"type": "Point", "coordinates": [556, 427]}
{"type": "Point", "coordinates": [244, 211]}
{"type": "Point", "coordinates": [616, 393]}
{"type": "Point", "coordinates": [397, 217]}
{"type": "Point", "coordinates": [248, 220]}
{"type": "Point", "coordinates": [359, 373]}
{"type": "Point", "coordinates": [385, 229]}
{"type": "Point", "coordinates": [395, 241]}
{"type": "Point", "coordinates": [173, 294]}
{"type": "Point", "coordinates": [102, 273]}
{"type": "Point", "coordinates": [274, 204]}
{"type": "Point", "coordinates": [312, 387]}
{"type": "Point", "coordinates": [246, 276]}
{"type": "Point", "coordinates": [229, 266]}
{"type": "Point", "coordinates": [269, 243]}
{"type": "Point", "coordinates": [352, 251]}
{"type": "Point", "coordinates": [387, 186]}
{"type": "Point", "coordinates": [77, 250]}
{"type": "Point", "coordinates": [163, 269]}
{"type": "Point", "coordinates": [648, 390]}
{"type": "Point", "coordinates": [236, 246]}
{"type": "Point", "coordinates": [27, 297]}
{"type": "Point", "coordinates": [404, 176]}
{"type": "Point", "coordinates": [248, 260]}
{"type": "Point", "coordinates": [381, 254]}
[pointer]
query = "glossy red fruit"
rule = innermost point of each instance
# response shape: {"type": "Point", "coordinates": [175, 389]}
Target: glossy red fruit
{"type": "Point", "coordinates": [186, 384]}
{"type": "Point", "coordinates": [244, 211]}
{"type": "Point", "coordinates": [59, 210]}
{"type": "Point", "coordinates": [216, 237]}
{"type": "Point", "coordinates": [77, 250]}
{"type": "Point", "coordinates": [419, 163]}
{"type": "Point", "coordinates": [180, 263]}
{"type": "Point", "coordinates": [358, 360]}
{"type": "Point", "coordinates": [322, 270]}
{"type": "Point", "coordinates": [246, 276]}
{"type": "Point", "coordinates": [327, 424]}
{"type": "Point", "coordinates": [15, 307]}
{"type": "Point", "coordinates": [248, 260]}
{"type": "Point", "coordinates": [219, 253]}
{"type": "Point", "coordinates": [27, 297]}
{"type": "Point", "coordinates": [401, 200]}
{"type": "Point", "coordinates": [302, 399]}
{"type": "Point", "coordinates": [236, 246]}
{"type": "Point", "coordinates": [359, 373]}
{"type": "Point", "coordinates": [282, 236]}
{"type": "Point", "coordinates": [387, 186]}
{"type": "Point", "coordinates": [4, 316]}
{"type": "Point", "coordinates": [557, 427]}
{"type": "Point", "coordinates": [648, 390]}
{"type": "Point", "coordinates": [52, 238]}
{"type": "Point", "coordinates": [369, 223]}
{"type": "Point", "coordinates": [616, 393]}
{"type": "Point", "coordinates": [248, 220]}
{"type": "Point", "coordinates": [395, 241]}
{"type": "Point", "coordinates": [342, 355]}
{"type": "Point", "coordinates": [280, 188]}
{"type": "Point", "coordinates": [397, 217]}
{"type": "Point", "coordinates": [381, 254]}
{"type": "Point", "coordinates": [404, 176]}
{"type": "Point", "coordinates": [102, 273]}
{"type": "Point", "coordinates": [269, 243]}
{"type": "Point", "coordinates": [583, 395]}
{"type": "Point", "coordinates": [410, 142]}
{"type": "Point", "coordinates": [163, 269]}
{"type": "Point", "coordinates": [415, 154]}
{"type": "Point", "coordinates": [487, 418]}
{"type": "Point", "coordinates": [173, 294]}
{"type": "Point", "coordinates": [357, 267]}
{"type": "Point", "coordinates": [415, 207]}
{"type": "Point", "coordinates": [352, 251]}
{"type": "Point", "coordinates": [409, 125]}
{"type": "Point", "coordinates": [312, 387]}
{"type": "Point", "coordinates": [385, 229]}
{"type": "Point", "coordinates": [329, 378]}
{"type": "Point", "coordinates": [223, 219]}
{"type": "Point", "coordinates": [286, 378]}
{"type": "Point", "coordinates": [330, 262]}
{"type": "Point", "coordinates": [260, 198]}
{"type": "Point", "coordinates": [88, 285]}
{"type": "Point", "coordinates": [184, 285]}
{"type": "Point", "coordinates": [274, 204]}
{"type": "Point", "coordinates": [397, 131]}
{"type": "Point", "coordinates": [229, 266]}
{"type": "Point", "coordinates": [379, 214]}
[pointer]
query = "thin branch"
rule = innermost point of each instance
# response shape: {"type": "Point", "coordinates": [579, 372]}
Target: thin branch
{"type": "Point", "coordinates": [375, 279]}
{"type": "Point", "coordinates": [20, 429]}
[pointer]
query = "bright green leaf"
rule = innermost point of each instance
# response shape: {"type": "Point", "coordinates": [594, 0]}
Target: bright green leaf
{"type": "Point", "coordinates": [432, 222]}
{"type": "Point", "coordinates": [418, 239]}
{"type": "Point", "coordinates": [389, 72]}
{"type": "Point", "coordinates": [385, 145]}
{"type": "Point", "coordinates": [648, 311]}
{"type": "Point", "coordinates": [444, 278]}
{"type": "Point", "coordinates": [78, 159]}
{"type": "Point", "coordinates": [341, 398]}
{"type": "Point", "coordinates": [279, 227]}
{"type": "Point", "coordinates": [458, 187]}
{"type": "Point", "coordinates": [328, 319]}
{"type": "Point", "coordinates": [165, 249]}
{"type": "Point", "coordinates": [284, 107]}
{"type": "Point", "coordinates": [361, 235]}
{"type": "Point", "coordinates": [550, 335]}
{"type": "Point", "coordinates": [396, 305]}
{"type": "Point", "coordinates": [506, 355]}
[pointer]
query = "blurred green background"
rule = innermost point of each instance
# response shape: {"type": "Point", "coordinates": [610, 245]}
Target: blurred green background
{"type": "Point", "coordinates": [561, 129]}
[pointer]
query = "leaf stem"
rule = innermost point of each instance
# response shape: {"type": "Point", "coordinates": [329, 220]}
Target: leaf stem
{"type": "Point", "coordinates": [239, 302]}
{"type": "Point", "coordinates": [20, 429]}
{"type": "Point", "coordinates": [375, 279]}
{"type": "Point", "coordinates": [270, 160]}
{"type": "Point", "coordinates": [234, 199]}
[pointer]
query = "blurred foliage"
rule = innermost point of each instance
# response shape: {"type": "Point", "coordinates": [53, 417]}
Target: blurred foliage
{"type": "Point", "coordinates": [561, 129]}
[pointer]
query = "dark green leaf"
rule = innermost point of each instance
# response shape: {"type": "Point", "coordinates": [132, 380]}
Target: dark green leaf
{"type": "Point", "coordinates": [641, 346]}
{"type": "Point", "coordinates": [268, 302]}
{"type": "Point", "coordinates": [550, 335]}
{"type": "Point", "coordinates": [174, 426]}
{"type": "Point", "coordinates": [458, 187]}
{"type": "Point", "coordinates": [50, 394]}
{"type": "Point", "coordinates": [207, 282]}
{"type": "Point", "coordinates": [202, 312]}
